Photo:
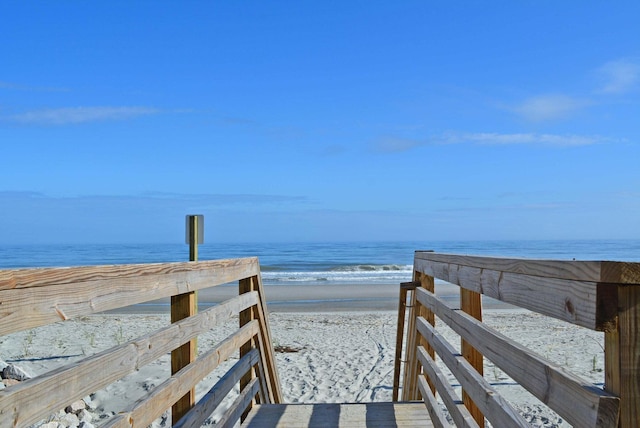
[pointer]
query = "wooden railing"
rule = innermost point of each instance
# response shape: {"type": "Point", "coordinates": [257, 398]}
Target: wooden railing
{"type": "Point", "coordinates": [35, 297]}
{"type": "Point", "coordinates": [602, 296]}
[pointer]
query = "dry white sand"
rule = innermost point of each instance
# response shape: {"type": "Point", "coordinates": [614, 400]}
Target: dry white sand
{"type": "Point", "coordinates": [333, 356]}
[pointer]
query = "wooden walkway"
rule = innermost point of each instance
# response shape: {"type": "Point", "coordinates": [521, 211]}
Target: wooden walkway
{"type": "Point", "coordinates": [388, 415]}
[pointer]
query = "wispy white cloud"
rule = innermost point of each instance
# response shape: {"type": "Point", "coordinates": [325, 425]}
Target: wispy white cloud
{"type": "Point", "coordinates": [395, 145]}
{"type": "Point", "coordinates": [549, 107]}
{"type": "Point", "coordinates": [619, 76]}
{"type": "Point", "coordinates": [77, 115]}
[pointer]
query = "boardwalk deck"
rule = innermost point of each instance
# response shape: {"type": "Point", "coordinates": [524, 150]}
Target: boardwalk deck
{"type": "Point", "coordinates": [386, 415]}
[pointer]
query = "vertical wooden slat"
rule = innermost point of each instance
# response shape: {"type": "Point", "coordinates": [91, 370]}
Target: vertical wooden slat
{"type": "Point", "coordinates": [622, 356]}
{"type": "Point", "coordinates": [246, 285]}
{"type": "Point", "coordinates": [260, 312]}
{"type": "Point", "coordinates": [428, 283]}
{"type": "Point", "coordinates": [410, 390]}
{"type": "Point", "coordinates": [183, 306]}
{"type": "Point", "coordinates": [409, 384]}
{"type": "Point", "coordinates": [402, 304]}
{"type": "Point", "coordinates": [471, 303]}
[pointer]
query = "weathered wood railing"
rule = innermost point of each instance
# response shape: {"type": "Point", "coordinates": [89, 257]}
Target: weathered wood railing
{"type": "Point", "coordinates": [35, 297]}
{"type": "Point", "coordinates": [602, 296]}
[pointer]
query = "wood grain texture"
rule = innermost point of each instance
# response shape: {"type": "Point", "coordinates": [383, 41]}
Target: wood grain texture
{"type": "Point", "coordinates": [183, 306]}
{"type": "Point", "coordinates": [240, 405]}
{"type": "Point", "coordinates": [34, 297]}
{"type": "Point", "coordinates": [471, 304]}
{"type": "Point", "coordinates": [265, 333]}
{"type": "Point", "coordinates": [154, 404]}
{"type": "Point", "coordinates": [406, 415]}
{"type": "Point", "coordinates": [438, 418]}
{"type": "Point", "coordinates": [579, 402]}
{"type": "Point", "coordinates": [397, 366]}
{"type": "Point", "coordinates": [411, 361]}
{"type": "Point", "coordinates": [495, 408]}
{"type": "Point", "coordinates": [247, 285]}
{"type": "Point", "coordinates": [54, 390]}
{"type": "Point", "coordinates": [410, 390]}
{"type": "Point", "coordinates": [427, 283]}
{"type": "Point", "coordinates": [590, 271]}
{"type": "Point", "coordinates": [212, 399]}
{"type": "Point", "coordinates": [458, 411]}
{"type": "Point", "coordinates": [569, 300]}
{"type": "Point", "coordinates": [622, 357]}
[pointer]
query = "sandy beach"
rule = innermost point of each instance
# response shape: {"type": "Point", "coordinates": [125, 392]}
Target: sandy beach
{"type": "Point", "coordinates": [315, 298]}
{"type": "Point", "coordinates": [332, 346]}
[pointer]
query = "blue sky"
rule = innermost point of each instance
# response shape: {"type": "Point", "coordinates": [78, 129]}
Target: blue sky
{"type": "Point", "coordinates": [314, 121]}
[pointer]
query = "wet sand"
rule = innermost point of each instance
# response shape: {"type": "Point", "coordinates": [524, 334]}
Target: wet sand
{"type": "Point", "coordinates": [315, 298]}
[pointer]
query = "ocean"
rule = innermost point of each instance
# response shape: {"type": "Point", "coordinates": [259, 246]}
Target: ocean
{"type": "Point", "coordinates": [316, 263]}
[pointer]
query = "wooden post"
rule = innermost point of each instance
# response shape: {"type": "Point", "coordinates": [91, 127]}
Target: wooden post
{"type": "Point", "coordinates": [402, 311]}
{"type": "Point", "coordinates": [245, 286]}
{"type": "Point", "coordinates": [183, 306]}
{"type": "Point", "coordinates": [412, 370]}
{"type": "Point", "coordinates": [409, 383]}
{"type": "Point", "coordinates": [622, 353]}
{"type": "Point", "coordinates": [471, 303]}
{"type": "Point", "coordinates": [428, 283]}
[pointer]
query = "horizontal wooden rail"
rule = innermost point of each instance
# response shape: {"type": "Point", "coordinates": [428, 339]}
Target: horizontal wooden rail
{"type": "Point", "coordinates": [495, 408]}
{"type": "Point", "coordinates": [154, 405]}
{"type": "Point", "coordinates": [573, 398]}
{"type": "Point", "coordinates": [54, 390]}
{"type": "Point", "coordinates": [437, 416]}
{"type": "Point", "coordinates": [212, 399]}
{"type": "Point", "coordinates": [459, 413]}
{"type": "Point", "coordinates": [35, 297]}
{"type": "Point", "coordinates": [585, 303]}
{"type": "Point", "coordinates": [242, 402]}
{"type": "Point", "coordinates": [267, 355]}
{"type": "Point", "coordinates": [599, 295]}
{"type": "Point", "coordinates": [594, 271]}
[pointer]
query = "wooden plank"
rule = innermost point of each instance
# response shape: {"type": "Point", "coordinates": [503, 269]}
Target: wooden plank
{"type": "Point", "coordinates": [471, 303]}
{"type": "Point", "coordinates": [33, 297]}
{"type": "Point", "coordinates": [409, 350]}
{"type": "Point", "coordinates": [402, 304]}
{"type": "Point", "coordinates": [266, 368]}
{"type": "Point", "coordinates": [409, 384]}
{"type": "Point", "coordinates": [239, 406]}
{"type": "Point", "coordinates": [212, 399]}
{"type": "Point", "coordinates": [245, 286]}
{"type": "Point", "coordinates": [183, 306]}
{"type": "Point", "coordinates": [458, 411]}
{"type": "Point", "coordinates": [153, 405]}
{"type": "Point", "coordinates": [438, 419]}
{"type": "Point", "coordinates": [578, 302]}
{"type": "Point", "coordinates": [622, 353]}
{"type": "Point", "coordinates": [406, 415]}
{"type": "Point", "coordinates": [592, 271]}
{"type": "Point", "coordinates": [54, 390]}
{"type": "Point", "coordinates": [576, 400]}
{"type": "Point", "coordinates": [495, 408]}
{"type": "Point", "coordinates": [269, 359]}
{"type": "Point", "coordinates": [426, 283]}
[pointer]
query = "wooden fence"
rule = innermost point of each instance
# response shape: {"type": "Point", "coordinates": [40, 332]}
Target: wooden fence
{"type": "Point", "coordinates": [602, 296]}
{"type": "Point", "coordinates": [35, 297]}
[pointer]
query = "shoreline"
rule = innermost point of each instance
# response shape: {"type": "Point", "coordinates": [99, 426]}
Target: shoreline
{"type": "Point", "coordinates": [315, 298]}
